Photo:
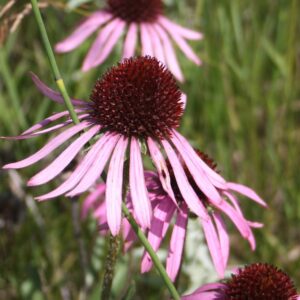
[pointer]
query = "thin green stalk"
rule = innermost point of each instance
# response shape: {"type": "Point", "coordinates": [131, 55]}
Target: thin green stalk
{"type": "Point", "coordinates": [61, 86]}
{"type": "Point", "coordinates": [58, 79]}
{"type": "Point", "coordinates": [143, 239]}
{"type": "Point", "coordinates": [11, 88]}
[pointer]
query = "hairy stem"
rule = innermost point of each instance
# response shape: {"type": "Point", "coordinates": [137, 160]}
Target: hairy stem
{"type": "Point", "coordinates": [110, 262]}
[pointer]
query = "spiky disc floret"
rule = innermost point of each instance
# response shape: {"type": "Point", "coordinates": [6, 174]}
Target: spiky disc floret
{"type": "Point", "coordinates": [136, 10]}
{"type": "Point", "coordinates": [139, 97]}
{"type": "Point", "coordinates": [260, 281]}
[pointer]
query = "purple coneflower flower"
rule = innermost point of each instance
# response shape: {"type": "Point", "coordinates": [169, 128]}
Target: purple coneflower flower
{"type": "Point", "coordinates": [165, 210]}
{"type": "Point", "coordinates": [135, 17]}
{"type": "Point", "coordinates": [256, 281]}
{"type": "Point", "coordinates": [136, 102]}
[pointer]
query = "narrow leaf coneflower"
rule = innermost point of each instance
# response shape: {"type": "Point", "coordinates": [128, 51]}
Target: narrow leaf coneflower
{"type": "Point", "coordinates": [255, 281]}
{"type": "Point", "coordinates": [138, 18]}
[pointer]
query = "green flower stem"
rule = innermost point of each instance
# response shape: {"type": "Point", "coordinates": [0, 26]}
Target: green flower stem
{"type": "Point", "coordinates": [58, 79]}
{"type": "Point", "coordinates": [8, 78]}
{"type": "Point", "coordinates": [61, 86]}
{"type": "Point", "coordinates": [141, 236]}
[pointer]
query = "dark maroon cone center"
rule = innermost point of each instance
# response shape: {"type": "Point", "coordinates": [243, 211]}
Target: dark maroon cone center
{"type": "Point", "coordinates": [137, 11]}
{"type": "Point", "coordinates": [139, 97]}
{"type": "Point", "coordinates": [260, 281]}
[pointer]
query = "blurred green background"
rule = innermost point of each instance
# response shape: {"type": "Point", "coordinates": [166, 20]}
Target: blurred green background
{"type": "Point", "coordinates": [243, 110]}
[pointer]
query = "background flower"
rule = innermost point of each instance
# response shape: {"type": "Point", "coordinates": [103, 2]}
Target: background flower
{"type": "Point", "coordinates": [140, 19]}
{"type": "Point", "coordinates": [255, 281]}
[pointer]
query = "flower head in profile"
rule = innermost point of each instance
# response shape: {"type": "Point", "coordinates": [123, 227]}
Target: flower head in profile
{"type": "Point", "coordinates": [140, 20]}
{"type": "Point", "coordinates": [255, 281]}
{"type": "Point", "coordinates": [165, 211]}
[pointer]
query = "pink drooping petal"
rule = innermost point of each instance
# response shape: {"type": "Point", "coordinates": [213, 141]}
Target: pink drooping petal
{"type": "Point", "coordinates": [214, 246]}
{"type": "Point", "coordinates": [139, 195]}
{"type": "Point", "coordinates": [187, 192]}
{"type": "Point", "coordinates": [246, 191]}
{"type": "Point", "coordinates": [239, 221]}
{"type": "Point", "coordinates": [234, 202]}
{"type": "Point", "coordinates": [96, 48]}
{"type": "Point", "coordinates": [237, 208]}
{"type": "Point", "coordinates": [110, 43]}
{"type": "Point", "coordinates": [46, 121]}
{"type": "Point", "coordinates": [184, 32]}
{"type": "Point", "coordinates": [53, 95]}
{"type": "Point", "coordinates": [83, 31]}
{"type": "Point", "coordinates": [223, 237]}
{"type": "Point", "coordinates": [130, 41]}
{"type": "Point", "coordinates": [177, 243]}
{"type": "Point", "coordinates": [183, 100]}
{"type": "Point", "coordinates": [44, 131]}
{"type": "Point", "coordinates": [251, 239]}
{"type": "Point", "coordinates": [161, 168]}
{"type": "Point", "coordinates": [147, 47]}
{"type": "Point", "coordinates": [94, 172]}
{"type": "Point", "coordinates": [157, 44]}
{"type": "Point", "coordinates": [170, 54]}
{"type": "Point", "coordinates": [216, 179]}
{"type": "Point", "coordinates": [211, 287]}
{"type": "Point", "coordinates": [48, 148]}
{"type": "Point", "coordinates": [100, 212]}
{"type": "Point", "coordinates": [210, 295]}
{"type": "Point", "coordinates": [184, 46]}
{"type": "Point", "coordinates": [162, 215]}
{"type": "Point", "coordinates": [100, 215]}
{"type": "Point", "coordinates": [255, 224]}
{"type": "Point", "coordinates": [57, 166]}
{"type": "Point", "coordinates": [39, 132]}
{"type": "Point", "coordinates": [91, 199]}
{"type": "Point", "coordinates": [86, 163]}
{"type": "Point", "coordinates": [198, 174]}
{"type": "Point", "coordinates": [210, 291]}
{"type": "Point", "coordinates": [114, 182]}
